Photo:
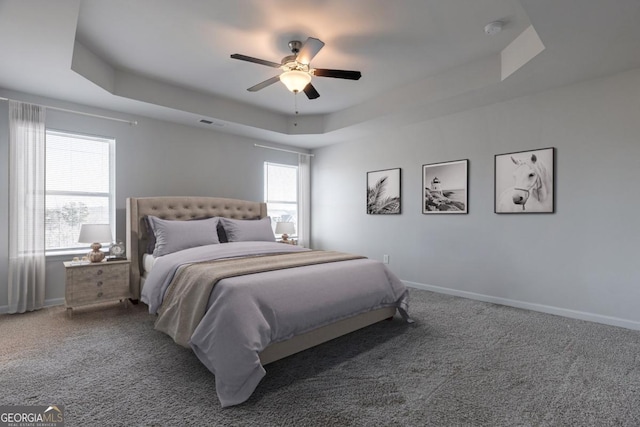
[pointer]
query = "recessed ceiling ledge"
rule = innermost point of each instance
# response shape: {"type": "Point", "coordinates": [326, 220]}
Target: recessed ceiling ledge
{"type": "Point", "coordinates": [453, 83]}
{"type": "Point", "coordinates": [92, 67]}
{"type": "Point", "coordinates": [457, 83]}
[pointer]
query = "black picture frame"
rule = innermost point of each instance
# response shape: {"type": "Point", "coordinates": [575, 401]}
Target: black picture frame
{"type": "Point", "coordinates": [524, 182]}
{"type": "Point", "coordinates": [445, 187]}
{"type": "Point", "coordinates": [384, 192]}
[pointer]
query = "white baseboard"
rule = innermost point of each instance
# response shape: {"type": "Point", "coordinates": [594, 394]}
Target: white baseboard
{"type": "Point", "coordinates": [47, 303]}
{"type": "Point", "coordinates": [558, 311]}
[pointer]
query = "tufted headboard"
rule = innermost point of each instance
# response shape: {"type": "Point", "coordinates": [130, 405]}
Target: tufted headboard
{"type": "Point", "coordinates": [177, 208]}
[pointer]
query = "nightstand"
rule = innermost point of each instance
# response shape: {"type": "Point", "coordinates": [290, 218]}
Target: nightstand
{"type": "Point", "coordinates": [95, 283]}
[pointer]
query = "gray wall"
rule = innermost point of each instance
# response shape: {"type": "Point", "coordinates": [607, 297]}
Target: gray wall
{"type": "Point", "coordinates": [153, 158]}
{"type": "Point", "coordinates": [580, 262]}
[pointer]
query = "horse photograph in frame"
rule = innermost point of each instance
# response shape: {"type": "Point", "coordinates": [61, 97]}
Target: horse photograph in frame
{"type": "Point", "coordinates": [383, 192]}
{"type": "Point", "coordinates": [524, 182]}
{"type": "Point", "coordinates": [445, 187]}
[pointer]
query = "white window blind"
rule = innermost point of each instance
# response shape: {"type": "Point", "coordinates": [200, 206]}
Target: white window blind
{"type": "Point", "coordinates": [79, 187]}
{"type": "Point", "coordinates": [281, 192]}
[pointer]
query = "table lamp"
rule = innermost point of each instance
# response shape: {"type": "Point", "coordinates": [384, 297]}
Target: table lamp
{"type": "Point", "coordinates": [95, 233]}
{"type": "Point", "coordinates": [285, 228]}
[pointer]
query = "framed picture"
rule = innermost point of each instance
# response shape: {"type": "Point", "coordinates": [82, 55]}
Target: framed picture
{"type": "Point", "coordinates": [383, 192]}
{"type": "Point", "coordinates": [525, 181]}
{"type": "Point", "coordinates": [445, 187]}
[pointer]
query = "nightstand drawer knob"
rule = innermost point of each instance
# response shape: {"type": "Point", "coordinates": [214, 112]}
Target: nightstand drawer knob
{"type": "Point", "coordinates": [99, 272]}
{"type": "Point", "coordinates": [99, 283]}
{"type": "Point", "coordinates": [99, 294]}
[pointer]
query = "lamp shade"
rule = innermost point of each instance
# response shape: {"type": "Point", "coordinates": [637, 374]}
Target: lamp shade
{"type": "Point", "coordinates": [95, 233]}
{"type": "Point", "coordinates": [295, 80]}
{"type": "Point", "coordinates": [285, 228]}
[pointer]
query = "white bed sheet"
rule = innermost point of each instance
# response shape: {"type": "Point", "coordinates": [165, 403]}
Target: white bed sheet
{"type": "Point", "coordinates": [148, 261]}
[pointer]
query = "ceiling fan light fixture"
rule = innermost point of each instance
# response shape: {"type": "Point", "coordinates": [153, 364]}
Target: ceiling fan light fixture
{"type": "Point", "coordinates": [295, 80]}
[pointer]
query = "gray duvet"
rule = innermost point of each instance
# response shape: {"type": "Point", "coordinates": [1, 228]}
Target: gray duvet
{"type": "Point", "coordinates": [245, 314]}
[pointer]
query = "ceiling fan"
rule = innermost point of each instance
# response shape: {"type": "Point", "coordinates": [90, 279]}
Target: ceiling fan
{"type": "Point", "coordinates": [297, 72]}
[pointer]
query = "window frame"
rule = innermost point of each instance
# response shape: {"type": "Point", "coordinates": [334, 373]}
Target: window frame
{"type": "Point", "coordinates": [111, 195]}
{"type": "Point", "coordinates": [266, 191]}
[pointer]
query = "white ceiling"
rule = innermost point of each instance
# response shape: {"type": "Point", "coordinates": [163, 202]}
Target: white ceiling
{"type": "Point", "coordinates": [419, 58]}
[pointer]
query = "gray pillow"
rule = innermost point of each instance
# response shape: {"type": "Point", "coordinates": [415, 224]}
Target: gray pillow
{"type": "Point", "coordinates": [248, 230]}
{"type": "Point", "coordinates": [172, 236]}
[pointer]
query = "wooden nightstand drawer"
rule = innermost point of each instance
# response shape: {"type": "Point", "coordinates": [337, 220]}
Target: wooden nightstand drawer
{"type": "Point", "coordinates": [97, 293]}
{"type": "Point", "coordinates": [82, 277]}
{"type": "Point", "coordinates": [95, 283]}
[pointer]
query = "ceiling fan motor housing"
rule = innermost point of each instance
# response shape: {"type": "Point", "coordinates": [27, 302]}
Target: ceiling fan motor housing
{"type": "Point", "coordinates": [290, 62]}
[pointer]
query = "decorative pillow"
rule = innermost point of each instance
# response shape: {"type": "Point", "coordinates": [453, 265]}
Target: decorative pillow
{"type": "Point", "coordinates": [222, 236]}
{"type": "Point", "coordinates": [246, 230]}
{"type": "Point", "coordinates": [172, 236]}
{"type": "Point", "coordinates": [151, 237]}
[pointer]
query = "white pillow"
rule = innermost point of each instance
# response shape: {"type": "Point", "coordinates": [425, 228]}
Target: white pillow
{"type": "Point", "coordinates": [172, 236]}
{"type": "Point", "coordinates": [248, 230]}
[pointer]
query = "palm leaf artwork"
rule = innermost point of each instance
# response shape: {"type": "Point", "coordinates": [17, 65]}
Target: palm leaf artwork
{"type": "Point", "coordinates": [378, 203]}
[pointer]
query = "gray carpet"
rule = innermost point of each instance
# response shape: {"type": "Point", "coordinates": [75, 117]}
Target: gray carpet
{"type": "Point", "coordinates": [463, 363]}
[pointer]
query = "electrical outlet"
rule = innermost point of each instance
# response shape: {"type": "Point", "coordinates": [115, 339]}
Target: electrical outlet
{"type": "Point", "coordinates": [385, 259]}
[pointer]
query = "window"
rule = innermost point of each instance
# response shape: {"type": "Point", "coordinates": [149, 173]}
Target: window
{"type": "Point", "coordinates": [79, 187]}
{"type": "Point", "coordinates": [281, 193]}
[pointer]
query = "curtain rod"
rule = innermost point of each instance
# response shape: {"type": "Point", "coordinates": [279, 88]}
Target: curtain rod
{"type": "Point", "coordinates": [282, 149]}
{"type": "Point", "coordinates": [76, 112]}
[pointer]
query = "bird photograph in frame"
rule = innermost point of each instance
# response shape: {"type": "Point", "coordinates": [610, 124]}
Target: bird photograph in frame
{"type": "Point", "coordinates": [383, 192]}
{"type": "Point", "coordinates": [445, 187]}
{"type": "Point", "coordinates": [524, 182]}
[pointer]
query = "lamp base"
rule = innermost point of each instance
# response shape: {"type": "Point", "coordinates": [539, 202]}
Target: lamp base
{"type": "Point", "coordinates": [95, 255]}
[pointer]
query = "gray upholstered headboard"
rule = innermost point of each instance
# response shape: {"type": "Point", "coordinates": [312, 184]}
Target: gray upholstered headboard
{"type": "Point", "coordinates": [177, 208]}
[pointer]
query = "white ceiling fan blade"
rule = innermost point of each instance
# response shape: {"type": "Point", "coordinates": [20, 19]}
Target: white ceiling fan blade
{"type": "Point", "coordinates": [309, 49]}
{"type": "Point", "coordinates": [264, 84]}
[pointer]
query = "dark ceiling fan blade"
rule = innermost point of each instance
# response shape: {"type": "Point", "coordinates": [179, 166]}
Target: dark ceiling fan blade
{"type": "Point", "coordinates": [311, 91]}
{"type": "Point", "coordinates": [255, 60]}
{"type": "Point", "coordinates": [309, 49]}
{"type": "Point", "coordinates": [264, 84]}
{"type": "Point", "coordinates": [338, 74]}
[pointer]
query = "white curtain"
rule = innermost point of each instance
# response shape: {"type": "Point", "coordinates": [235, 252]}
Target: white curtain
{"type": "Point", "coordinates": [26, 207]}
{"type": "Point", "coordinates": [304, 200]}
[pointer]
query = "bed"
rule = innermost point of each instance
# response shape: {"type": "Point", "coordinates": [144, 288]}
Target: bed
{"type": "Point", "coordinates": [265, 300]}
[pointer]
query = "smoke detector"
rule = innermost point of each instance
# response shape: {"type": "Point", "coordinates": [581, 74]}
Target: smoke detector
{"type": "Point", "coordinates": [493, 27]}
